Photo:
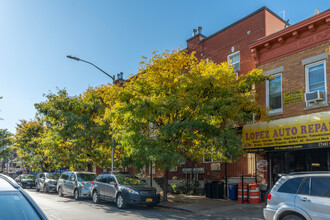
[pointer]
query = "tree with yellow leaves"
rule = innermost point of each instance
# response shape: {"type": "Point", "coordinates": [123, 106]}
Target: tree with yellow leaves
{"type": "Point", "coordinates": [178, 106]}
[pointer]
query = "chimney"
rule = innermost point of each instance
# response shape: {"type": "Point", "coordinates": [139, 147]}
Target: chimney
{"type": "Point", "coordinates": [199, 30]}
{"type": "Point", "coordinates": [316, 11]}
{"type": "Point", "coordinates": [121, 75]}
{"type": "Point", "coordinates": [194, 32]}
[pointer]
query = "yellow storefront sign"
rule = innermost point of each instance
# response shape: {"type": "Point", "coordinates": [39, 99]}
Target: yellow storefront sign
{"type": "Point", "coordinates": [305, 131]}
{"type": "Point", "coordinates": [293, 97]}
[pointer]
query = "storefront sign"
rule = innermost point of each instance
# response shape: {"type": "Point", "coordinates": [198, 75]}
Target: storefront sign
{"type": "Point", "coordinates": [293, 97]}
{"type": "Point", "coordinates": [308, 131]}
{"type": "Point", "coordinates": [195, 170]}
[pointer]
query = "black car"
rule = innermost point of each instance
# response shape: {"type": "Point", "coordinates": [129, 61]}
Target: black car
{"type": "Point", "coordinates": [26, 180]}
{"type": "Point", "coordinates": [16, 204]}
{"type": "Point", "coordinates": [47, 182]}
{"type": "Point", "coordinates": [124, 189]}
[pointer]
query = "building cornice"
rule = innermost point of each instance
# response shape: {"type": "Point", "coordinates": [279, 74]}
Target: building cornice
{"type": "Point", "coordinates": [307, 33]}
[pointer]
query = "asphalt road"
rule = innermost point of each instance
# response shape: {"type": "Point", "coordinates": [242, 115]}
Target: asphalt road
{"type": "Point", "coordinates": [66, 207]}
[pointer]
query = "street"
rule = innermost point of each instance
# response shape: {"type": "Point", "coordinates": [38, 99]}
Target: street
{"type": "Point", "coordinates": [66, 207]}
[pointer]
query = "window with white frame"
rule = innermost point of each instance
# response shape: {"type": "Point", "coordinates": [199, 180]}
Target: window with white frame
{"type": "Point", "coordinates": [315, 77]}
{"type": "Point", "coordinates": [274, 94]}
{"type": "Point", "coordinates": [234, 59]}
{"type": "Point", "coordinates": [207, 158]}
{"type": "Point", "coordinates": [174, 169]}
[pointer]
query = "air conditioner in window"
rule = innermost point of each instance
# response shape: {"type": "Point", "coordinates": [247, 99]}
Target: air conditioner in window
{"type": "Point", "coordinates": [314, 96]}
{"type": "Point", "coordinates": [215, 166]}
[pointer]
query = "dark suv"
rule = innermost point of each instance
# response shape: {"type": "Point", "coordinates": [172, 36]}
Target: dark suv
{"type": "Point", "coordinates": [123, 188]}
{"type": "Point", "coordinates": [16, 203]}
{"type": "Point", "coordinates": [26, 180]}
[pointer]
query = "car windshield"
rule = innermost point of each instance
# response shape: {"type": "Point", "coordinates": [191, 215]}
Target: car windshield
{"type": "Point", "coordinates": [85, 177]}
{"type": "Point", "coordinates": [28, 176]}
{"type": "Point", "coordinates": [129, 180]}
{"type": "Point", "coordinates": [53, 176]}
{"type": "Point", "coordinates": [14, 206]}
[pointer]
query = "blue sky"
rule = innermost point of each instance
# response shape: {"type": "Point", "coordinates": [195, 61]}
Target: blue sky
{"type": "Point", "coordinates": [36, 36]}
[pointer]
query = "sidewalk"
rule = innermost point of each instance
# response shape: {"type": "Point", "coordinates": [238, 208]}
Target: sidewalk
{"type": "Point", "coordinates": [225, 209]}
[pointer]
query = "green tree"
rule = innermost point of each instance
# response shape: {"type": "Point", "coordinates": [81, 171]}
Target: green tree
{"type": "Point", "coordinates": [5, 143]}
{"type": "Point", "coordinates": [82, 138]}
{"type": "Point", "coordinates": [178, 106]}
{"type": "Point", "coordinates": [34, 145]}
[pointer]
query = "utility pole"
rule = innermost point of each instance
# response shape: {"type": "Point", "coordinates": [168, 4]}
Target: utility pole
{"type": "Point", "coordinates": [120, 76]}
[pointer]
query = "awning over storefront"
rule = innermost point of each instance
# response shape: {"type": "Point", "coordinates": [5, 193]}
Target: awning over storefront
{"type": "Point", "coordinates": [307, 131]}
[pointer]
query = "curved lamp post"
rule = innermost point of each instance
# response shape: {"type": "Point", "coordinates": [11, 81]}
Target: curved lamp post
{"type": "Point", "coordinates": [113, 81]}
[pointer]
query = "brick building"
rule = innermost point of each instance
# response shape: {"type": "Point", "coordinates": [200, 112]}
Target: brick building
{"type": "Point", "coordinates": [229, 44]}
{"type": "Point", "coordinates": [298, 137]}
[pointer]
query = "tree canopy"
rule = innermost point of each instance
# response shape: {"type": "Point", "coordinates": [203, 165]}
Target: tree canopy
{"type": "Point", "coordinates": [5, 143]}
{"type": "Point", "coordinates": [178, 106]}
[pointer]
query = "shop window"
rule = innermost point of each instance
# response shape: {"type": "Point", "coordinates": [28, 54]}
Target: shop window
{"type": "Point", "coordinates": [234, 59]}
{"type": "Point", "coordinates": [291, 186]}
{"type": "Point", "coordinates": [274, 94]}
{"type": "Point", "coordinates": [316, 83]}
{"type": "Point", "coordinates": [320, 186]}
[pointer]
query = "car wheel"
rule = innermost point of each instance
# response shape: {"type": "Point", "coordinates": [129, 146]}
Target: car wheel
{"type": "Point", "coordinates": [45, 189]}
{"type": "Point", "coordinates": [151, 205]}
{"type": "Point", "coordinates": [120, 201]}
{"type": "Point", "coordinates": [76, 194]}
{"type": "Point", "coordinates": [95, 197]}
{"type": "Point", "coordinates": [292, 217]}
{"type": "Point", "coordinates": [60, 193]}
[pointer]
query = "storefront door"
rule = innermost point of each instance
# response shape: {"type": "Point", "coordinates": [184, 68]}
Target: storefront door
{"type": "Point", "coordinates": [298, 161]}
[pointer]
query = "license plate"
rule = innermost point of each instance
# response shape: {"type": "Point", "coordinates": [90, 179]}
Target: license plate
{"type": "Point", "coordinates": [148, 200]}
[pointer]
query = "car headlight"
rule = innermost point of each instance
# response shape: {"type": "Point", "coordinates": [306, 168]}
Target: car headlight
{"type": "Point", "coordinates": [131, 191]}
{"type": "Point", "coordinates": [82, 186]}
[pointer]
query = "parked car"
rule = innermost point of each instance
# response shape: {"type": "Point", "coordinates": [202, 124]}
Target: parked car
{"type": "Point", "coordinates": [16, 204]}
{"type": "Point", "coordinates": [300, 196]}
{"type": "Point", "coordinates": [47, 182]}
{"type": "Point", "coordinates": [124, 189]}
{"type": "Point", "coordinates": [26, 180]}
{"type": "Point", "coordinates": [76, 184]}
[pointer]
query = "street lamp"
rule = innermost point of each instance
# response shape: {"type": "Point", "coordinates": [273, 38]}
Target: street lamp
{"type": "Point", "coordinates": [113, 82]}
{"type": "Point", "coordinates": [78, 59]}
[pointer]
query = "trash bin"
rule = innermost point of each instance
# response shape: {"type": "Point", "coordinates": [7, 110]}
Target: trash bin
{"type": "Point", "coordinates": [232, 189]}
{"type": "Point", "coordinates": [218, 190]}
{"type": "Point", "coordinates": [214, 186]}
{"type": "Point", "coordinates": [208, 190]}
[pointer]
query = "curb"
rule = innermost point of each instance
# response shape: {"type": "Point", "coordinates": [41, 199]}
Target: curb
{"type": "Point", "coordinates": [175, 208]}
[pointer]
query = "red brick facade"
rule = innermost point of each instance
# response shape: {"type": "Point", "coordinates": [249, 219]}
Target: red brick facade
{"type": "Point", "coordinates": [236, 37]}
{"type": "Point", "coordinates": [289, 52]}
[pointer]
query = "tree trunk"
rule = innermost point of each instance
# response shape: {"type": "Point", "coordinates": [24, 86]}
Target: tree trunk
{"type": "Point", "coordinates": [165, 185]}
